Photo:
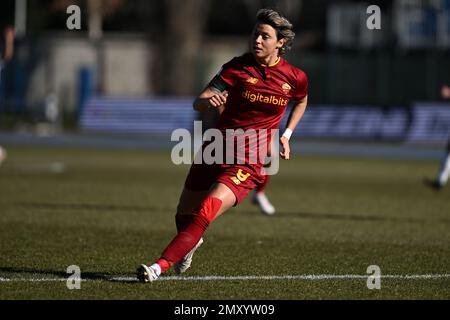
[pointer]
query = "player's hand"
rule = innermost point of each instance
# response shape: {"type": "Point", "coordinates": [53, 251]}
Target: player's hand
{"type": "Point", "coordinates": [218, 99]}
{"type": "Point", "coordinates": [284, 148]}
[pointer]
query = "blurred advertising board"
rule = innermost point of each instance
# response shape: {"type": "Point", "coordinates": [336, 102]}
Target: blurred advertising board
{"type": "Point", "coordinates": [423, 122]}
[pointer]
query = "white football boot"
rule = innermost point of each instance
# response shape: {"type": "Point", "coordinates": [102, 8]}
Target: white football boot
{"type": "Point", "coordinates": [146, 274]}
{"type": "Point", "coordinates": [260, 199]}
{"type": "Point", "coordinates": [186, 262]}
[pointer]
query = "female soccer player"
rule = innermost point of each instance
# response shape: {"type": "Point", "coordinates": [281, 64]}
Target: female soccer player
{"type": "Point", "coordinates": [444, 171]}
{"type": "Point", "coordinates": [255, 89]}
{"type": "Point", "coordinates": [7, 51]}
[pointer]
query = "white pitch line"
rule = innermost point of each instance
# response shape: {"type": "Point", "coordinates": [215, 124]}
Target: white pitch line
{"type": "Point", "coordinates": [311, 277]}
{"type": "Point", "coordinates": [41, 167]}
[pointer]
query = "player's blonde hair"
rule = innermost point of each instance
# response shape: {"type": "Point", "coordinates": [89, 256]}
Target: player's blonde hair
{"type": "Point", "coordinates": [282, 26]}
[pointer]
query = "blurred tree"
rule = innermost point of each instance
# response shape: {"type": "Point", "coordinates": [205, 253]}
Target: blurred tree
{"type": "Point", "coordinates": [45, 15]}
{"type": "Point", "coordinates": [97, 11]}
{"type": "Point", "coordinates": [181, 45]}
{"type": "Point", "coordinates": [6, 13]}
{"type": "Point", "coordinates": [106, 7]}
{"type": "Point", "coordinates": [290, 8]}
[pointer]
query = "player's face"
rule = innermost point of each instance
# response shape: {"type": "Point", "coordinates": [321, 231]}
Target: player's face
{"type": "Point", "coordinates": [264, 44]}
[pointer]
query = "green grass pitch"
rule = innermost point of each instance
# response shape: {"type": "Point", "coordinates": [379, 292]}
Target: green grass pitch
{"type": "Point", "coordinates": [108, 211]}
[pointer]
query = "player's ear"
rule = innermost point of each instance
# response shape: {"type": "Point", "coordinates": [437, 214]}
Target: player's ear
{"type": "Point", "coordinates": [281, 43]}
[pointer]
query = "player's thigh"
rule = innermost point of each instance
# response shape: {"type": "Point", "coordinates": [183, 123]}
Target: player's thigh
{"type": "Point", "coordinates": [190, 200]}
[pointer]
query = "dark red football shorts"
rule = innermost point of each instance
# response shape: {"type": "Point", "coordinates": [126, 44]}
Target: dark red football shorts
{"type": "Point", "coordinates": [240, 178]}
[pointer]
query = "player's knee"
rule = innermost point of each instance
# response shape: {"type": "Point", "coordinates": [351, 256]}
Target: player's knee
{"type": "Point", "coordinates": [201, 221]}
{"type": "Point", "coordinates": [202, 216]}
{"type": "Point", "coordinates": [209, 208]}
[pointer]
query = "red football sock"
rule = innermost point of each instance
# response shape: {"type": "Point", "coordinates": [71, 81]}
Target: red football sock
{"type": "Point", "coordinates": [260, 187]}
{"type": "Point", "coordinates": [164, 265]}
{"type": "Point", "coordinates": [186, 239]}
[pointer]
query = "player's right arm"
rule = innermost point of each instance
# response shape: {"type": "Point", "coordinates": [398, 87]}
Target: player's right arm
{"type": "Point", "coordinates": [216, 93]}
{"type": "Point", "coordinates": [210, 98]}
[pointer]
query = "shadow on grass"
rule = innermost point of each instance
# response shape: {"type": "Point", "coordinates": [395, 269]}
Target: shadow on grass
{"type": "Point", "coordinates": [84, 206]}
{"type": "Point", "coordinates": [348, 217]}
{"type": "Point", "coordinates": [279, 214]}
{"type": "Point", "coordinates": [64, 275]}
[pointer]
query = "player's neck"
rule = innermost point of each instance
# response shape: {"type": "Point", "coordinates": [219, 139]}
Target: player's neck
{"type": "Point", "coordinates": [268, 61]}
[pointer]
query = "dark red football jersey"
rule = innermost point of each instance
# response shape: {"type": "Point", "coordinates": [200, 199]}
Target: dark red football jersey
{"type": "Point", "coordinates": [258, 95]}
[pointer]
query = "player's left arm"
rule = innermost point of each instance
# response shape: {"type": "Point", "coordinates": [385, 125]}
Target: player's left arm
{"type": "Point", "coordinates": [294, 118]}
{"type": "Point", "coordinates": [8, 52]}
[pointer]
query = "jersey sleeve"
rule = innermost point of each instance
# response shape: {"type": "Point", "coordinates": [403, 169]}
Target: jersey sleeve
{"type": "Point", "coordinates": [226, 77]}
{"type": "Point", "coordinates": [301, 90]}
